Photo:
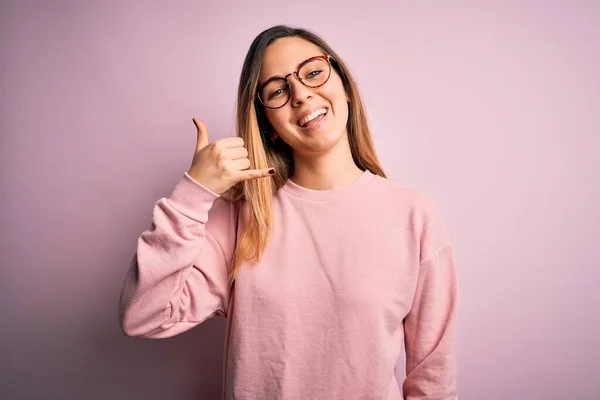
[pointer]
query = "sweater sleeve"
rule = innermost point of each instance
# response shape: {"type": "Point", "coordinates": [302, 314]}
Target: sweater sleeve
{"type": "Point", "coordinates": [429, 327]}
{"type": "Point", "coordinates": [178, 275]}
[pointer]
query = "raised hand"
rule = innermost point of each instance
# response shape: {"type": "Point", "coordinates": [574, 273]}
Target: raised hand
{"type": "Point", "coordinates": [221, 164]}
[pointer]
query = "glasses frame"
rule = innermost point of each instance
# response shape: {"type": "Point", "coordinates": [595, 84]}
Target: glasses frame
{"type": "Point", "coordinates": [325, 57]}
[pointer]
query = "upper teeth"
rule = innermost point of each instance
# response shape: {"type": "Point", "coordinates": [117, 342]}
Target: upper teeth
{"type": "Point", "coordinates": [312, 116]}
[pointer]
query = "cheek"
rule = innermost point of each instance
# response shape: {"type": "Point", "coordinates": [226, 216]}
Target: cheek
{"type": "Point", "coordinates": [278, 118]}
{"type": "Point", "coordinates": [272, 117]}
{"type": "Point", "coordinates": [336, 94]}
{"type": "Point", "coordinates": [339, 99]}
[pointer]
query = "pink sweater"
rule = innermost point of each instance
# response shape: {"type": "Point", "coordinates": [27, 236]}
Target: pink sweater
{"type": "Point", "coordinates": [351, 277]}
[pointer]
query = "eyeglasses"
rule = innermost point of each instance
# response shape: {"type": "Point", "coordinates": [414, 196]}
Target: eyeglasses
{"type": "Point", "coordinates": [312, 73]}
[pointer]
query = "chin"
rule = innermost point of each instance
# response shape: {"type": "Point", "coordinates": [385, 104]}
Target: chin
{"type": "Point", "coordinates": [323, 141]}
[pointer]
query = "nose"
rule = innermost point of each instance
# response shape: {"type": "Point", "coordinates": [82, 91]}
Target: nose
{"type": "Point", "coordinates": [299, 92]}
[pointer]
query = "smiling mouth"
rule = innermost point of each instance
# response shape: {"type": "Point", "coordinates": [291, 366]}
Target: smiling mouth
{"type": "Point", "coordinates": [313, 118]}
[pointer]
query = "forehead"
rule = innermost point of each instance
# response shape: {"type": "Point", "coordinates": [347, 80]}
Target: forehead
{"type": "Point", "coordinates": [284, 55]}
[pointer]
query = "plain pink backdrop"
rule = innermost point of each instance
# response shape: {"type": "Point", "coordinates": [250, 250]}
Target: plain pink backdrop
{"type": "Point", "coordinates": [492, 108]}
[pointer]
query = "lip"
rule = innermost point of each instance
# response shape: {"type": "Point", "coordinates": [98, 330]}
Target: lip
{"type": "Point", "coordinates": [308, 112]}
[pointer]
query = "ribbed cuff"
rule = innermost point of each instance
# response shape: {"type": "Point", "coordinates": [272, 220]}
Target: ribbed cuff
{"type": "Point", "coordinates": [192, 199]}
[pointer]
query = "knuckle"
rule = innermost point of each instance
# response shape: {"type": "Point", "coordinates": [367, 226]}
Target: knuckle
{"type": "Point", "coordinates": [222, 165]}
{"type": "Point", "coordinates": [220, 157]}
{"type": "Point", "coordinates": [217, 146]}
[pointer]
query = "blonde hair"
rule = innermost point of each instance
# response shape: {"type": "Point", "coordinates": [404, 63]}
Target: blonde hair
{"type": "Point", "coordinates": [255, 196]}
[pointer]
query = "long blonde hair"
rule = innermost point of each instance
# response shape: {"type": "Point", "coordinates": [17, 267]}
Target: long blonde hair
{"type": "Point", "coordinates": [255, 196]}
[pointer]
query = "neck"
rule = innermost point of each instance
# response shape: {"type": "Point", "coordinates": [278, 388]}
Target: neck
{"type": "Point", "coordinates": [330, 170]}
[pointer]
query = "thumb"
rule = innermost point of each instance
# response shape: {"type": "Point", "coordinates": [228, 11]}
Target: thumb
{"type": "Point", "coordinates": [202, 140]}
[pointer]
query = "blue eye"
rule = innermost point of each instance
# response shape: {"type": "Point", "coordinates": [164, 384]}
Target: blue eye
{"type": "Point", "coordinates": [313, 74]}
{"type": "Point", "coordinates": [275, 93]}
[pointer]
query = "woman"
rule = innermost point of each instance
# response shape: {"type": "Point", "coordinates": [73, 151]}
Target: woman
{"type": "Point", "coordinates": [323, 267]}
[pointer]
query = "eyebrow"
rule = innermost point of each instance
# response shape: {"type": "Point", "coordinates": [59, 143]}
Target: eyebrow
{"type": "Point", "coordinates": [281, 77]}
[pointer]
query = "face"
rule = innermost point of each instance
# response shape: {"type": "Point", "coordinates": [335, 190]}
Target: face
{"type": "Point", "coordinates": [290, 121]}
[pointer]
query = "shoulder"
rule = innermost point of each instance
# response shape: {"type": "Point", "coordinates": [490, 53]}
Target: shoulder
{"type": "Point", "coordinates": [404, 196]}
{"type": "Point", "coordinates": [416, 210]}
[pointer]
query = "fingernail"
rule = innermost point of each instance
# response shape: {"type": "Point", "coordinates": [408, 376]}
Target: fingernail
{"type": "Point", "coordinates": [272, 171]}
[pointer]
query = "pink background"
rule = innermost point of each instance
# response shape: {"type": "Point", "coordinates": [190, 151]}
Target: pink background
{"type": "Point", "coordinates": [490, 107]}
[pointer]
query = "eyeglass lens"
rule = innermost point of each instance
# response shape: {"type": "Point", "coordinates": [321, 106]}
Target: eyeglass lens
{"type": "Point", "coordinates": [312, 74]}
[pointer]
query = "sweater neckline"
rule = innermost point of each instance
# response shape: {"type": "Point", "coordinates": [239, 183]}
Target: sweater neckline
{"type": "Point", "coordinates": [329, 194]}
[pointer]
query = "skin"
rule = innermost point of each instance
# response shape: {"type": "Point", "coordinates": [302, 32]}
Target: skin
{"type": "Point", "coordinates": [322, 157]}
{"type": "Point", "coordinates": [220, 164]}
